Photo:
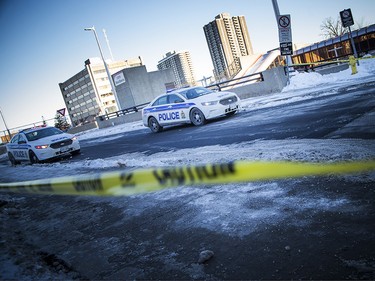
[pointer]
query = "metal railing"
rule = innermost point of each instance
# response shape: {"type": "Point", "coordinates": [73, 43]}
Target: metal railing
{"type": "Point", "coordinates": [5, 136]}
{"type": "Point", "coordinates": [257, 77]}
{"type": "Point", "coordinates": [312, 66]}
{"type": "Point", "coordinates": [122, 112]}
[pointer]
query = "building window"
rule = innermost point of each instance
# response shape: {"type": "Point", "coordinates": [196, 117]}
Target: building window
{"type": "Point", "coordinates": [99, 71]}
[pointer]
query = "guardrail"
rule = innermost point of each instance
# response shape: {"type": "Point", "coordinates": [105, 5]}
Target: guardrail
{"type": "Point", "coordinates": [258, 77]}
{"type": "Point", "coordinates": [314, 65]}
{"type": "Point", "coordinates": [352, 61]}
{"type": "Point", "coordinates": [122, 112]}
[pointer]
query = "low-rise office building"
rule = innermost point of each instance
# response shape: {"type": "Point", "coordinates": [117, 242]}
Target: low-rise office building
{"type": "Point", "coordinates": [88, 93]}
{"type": "Point", "coordinates": [136, 86]}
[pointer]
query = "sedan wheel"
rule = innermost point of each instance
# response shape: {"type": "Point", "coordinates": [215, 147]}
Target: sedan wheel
{"type": "Point", "coordinates": [33, 158]}
{"type": "Point", "coordinates": [154, 125]}
{"type": "Point", "coordinates": [76, 152]}
{"type": "Point", "coordinates": [197, 117]}
{"type": "Point", "coordinates": [231, 113]}
{"type": "Point", "coordinates": [12, 159]}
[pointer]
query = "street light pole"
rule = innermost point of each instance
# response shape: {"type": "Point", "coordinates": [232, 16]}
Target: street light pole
{"type": "Point", "coordinates": [105, 66]}
{"type": "Point", "coordinates": [287, 58]}
{"type": "Point", "coordinates": [276, 9]}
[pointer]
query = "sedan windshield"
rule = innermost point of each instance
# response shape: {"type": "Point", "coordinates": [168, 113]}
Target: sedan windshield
{"type": "Point", "coordinates": [46, 132]}
{"type": "Point", "coordinates": [195, 92]}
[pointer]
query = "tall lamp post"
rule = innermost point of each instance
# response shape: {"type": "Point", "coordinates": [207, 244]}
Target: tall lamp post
{"type": "Point", "coordinates": [277, 15]}
{"type": "Point", "coordinates": [105, 66]}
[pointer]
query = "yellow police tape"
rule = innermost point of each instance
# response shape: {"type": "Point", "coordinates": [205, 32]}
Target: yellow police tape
{"type": "Point", "coordinates": [146, 180]}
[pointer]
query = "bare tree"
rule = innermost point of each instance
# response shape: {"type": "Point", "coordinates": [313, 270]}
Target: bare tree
{"type": "Point", "coordinates": [332, 28]}
{"type": "Point", "coordinates": [360, 23]}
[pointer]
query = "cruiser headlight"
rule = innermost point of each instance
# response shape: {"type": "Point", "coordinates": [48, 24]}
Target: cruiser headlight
{"type": "Point", "coordinates": [206, 103]}
{"type": "Point", "coordinates": [43, 146]}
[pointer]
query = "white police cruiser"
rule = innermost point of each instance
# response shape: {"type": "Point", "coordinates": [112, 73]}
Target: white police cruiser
{"type": "Point", "coordinates": [41, 143]}
{"type": "Point", "coordinates": [188, 105]}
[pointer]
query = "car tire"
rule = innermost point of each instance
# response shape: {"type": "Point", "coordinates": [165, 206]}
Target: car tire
{"type": "Point", "coordinates": [76, 152]}
{"type": "Point", "coordinates": [33, 158]}
{"type": "Point", "coordinates": [154, 125]}
{"type": "Point", "coordinates": [12, 160]}
{"type": "Point", "coordinates": [197, 117]}
{"type": "Point", "coordinates": [231, 113]}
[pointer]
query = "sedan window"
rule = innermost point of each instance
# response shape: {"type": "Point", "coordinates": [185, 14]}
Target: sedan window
{"type": "Point", "coordinates": [175, 99]}
{"type": "Point", "coordinates": [36, 135]}
{"type": "Point", "coordinates": [21, 139]}
{"type": "Point", "coordinates": [195, 92]}
{"type": "Point", "coordinates": [161, 101]}
{"type": "Point", "coordinates": [191, 94]}
{"type": "Point", "coordinates": [15, 139]}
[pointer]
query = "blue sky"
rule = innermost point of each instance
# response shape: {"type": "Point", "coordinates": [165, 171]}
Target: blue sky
{"type": "Point", "coordinates": [43, 42]}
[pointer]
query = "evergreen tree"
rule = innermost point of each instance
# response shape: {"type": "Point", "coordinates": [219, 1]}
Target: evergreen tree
{"type": "Point", "coordinates": [61, 123]}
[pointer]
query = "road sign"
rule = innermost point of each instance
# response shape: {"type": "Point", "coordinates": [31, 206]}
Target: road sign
{"type": "Point", "coordinates": [284, 21]}
{"type": "Point", "coordinates": [285, 29]}
{"type": "Point", "coordinates": [286, 48]}
{"type": "Point", "coordinates": [119, 78]}
{"type": "Point", "coordinates": [61, 111]}
{"type": "Point", "coordinates": [346, 18]}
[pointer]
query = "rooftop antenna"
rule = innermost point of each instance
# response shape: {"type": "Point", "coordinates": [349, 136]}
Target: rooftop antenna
{"type": "Point", "coordinates": [109, 47]}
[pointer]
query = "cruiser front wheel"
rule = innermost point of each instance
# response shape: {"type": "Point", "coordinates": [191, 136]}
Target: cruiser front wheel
{"type": "Point", "coordinates": [197, 117]}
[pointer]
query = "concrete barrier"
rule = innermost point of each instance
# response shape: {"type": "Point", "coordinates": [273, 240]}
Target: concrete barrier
{"type": "Point", "coordinates": [332, 69]}
{"type": "Point", "coordinates": [82, 128]}
{"type": "Point", "coordinates": [127, 118]}
{"type": "Point", "coordinates": [274, 81]}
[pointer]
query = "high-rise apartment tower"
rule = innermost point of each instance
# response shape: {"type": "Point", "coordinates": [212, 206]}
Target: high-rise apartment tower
{"type": "Point", "coordinates": [182, 67]}
{"type": "Point", "coordinates": [228, 39]}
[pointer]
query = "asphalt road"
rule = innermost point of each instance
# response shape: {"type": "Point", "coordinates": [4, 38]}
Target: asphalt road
{"type": "Point", "coordinates": [317, 118]}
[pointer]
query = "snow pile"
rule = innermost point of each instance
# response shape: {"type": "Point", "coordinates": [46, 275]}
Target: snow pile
{"type": "Point", "coordinates": [328, 150]}
{"type": "Point", "coordinates": [95, 133]}
{"type": "Point", "coordinates": [301, 80]}
{"type": "Point", "coordinates": [310, 150]}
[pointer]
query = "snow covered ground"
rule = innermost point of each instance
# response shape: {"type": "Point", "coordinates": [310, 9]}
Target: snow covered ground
{"type": "Point", "coordinates": [233, 211]}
